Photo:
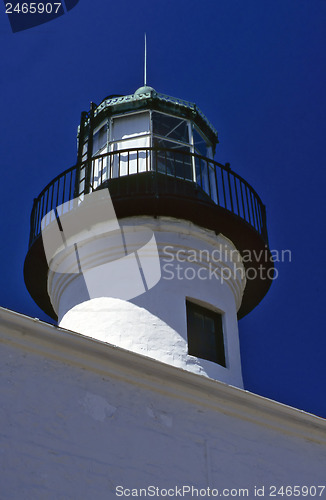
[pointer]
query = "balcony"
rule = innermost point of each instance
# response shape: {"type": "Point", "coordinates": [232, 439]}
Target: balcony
{"type": "Point", "coordinates": [160, 182]}
{"type": "Point", "coordinates": [167, 172]}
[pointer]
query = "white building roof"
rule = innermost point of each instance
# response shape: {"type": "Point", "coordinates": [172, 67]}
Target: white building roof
{"type": "Point", "coordinates": [49, 341]}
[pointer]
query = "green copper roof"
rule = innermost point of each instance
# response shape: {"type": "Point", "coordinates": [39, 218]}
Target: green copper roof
{"type": "Point", "coordinates": [145, 93]}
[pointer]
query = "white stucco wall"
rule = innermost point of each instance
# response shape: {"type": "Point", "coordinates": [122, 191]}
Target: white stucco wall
{"type": "Point", "coordinates": [79, 418]}
{"type": "Point", "coordinates": [154, 323]}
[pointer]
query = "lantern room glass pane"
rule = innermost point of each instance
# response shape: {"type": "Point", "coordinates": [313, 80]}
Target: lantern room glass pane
{"type": "Point", "coordinates": [200, 143]}
{"type": "Point", "coordinates": [170, 127]}
{"type": "Point", "coordinates": [176, 162]}
{"type": "Point", "coordinates": [130, 162]}
{"type": "Point", "coordinates": [100, 139]}
{"type": "Point", "coordinates": [130, 132]}
{"type": "Point", "coordinates": [125, 127]}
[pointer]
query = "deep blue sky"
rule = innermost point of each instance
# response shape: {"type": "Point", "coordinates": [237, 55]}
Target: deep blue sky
{"type": "Point", "coordinates": [257, 70]}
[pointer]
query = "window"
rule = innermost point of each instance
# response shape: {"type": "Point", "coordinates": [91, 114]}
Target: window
{"type": "Point", "coordinates": [99, 139]}
{"type": "Point", "coordinates": [200, 144]}
{"type": "Point", "coordinates": [130, 131]}
{"type": "Point", "coordinates": [205, 333]}
{"type": "Point", "coordinates": [176, 162]}
{"type": "Point", "coordinates": [171, 128]}
{"type": "Point", "coordinates": [130, 126]}
{"type": "Point", "coordinates": [171, 133]}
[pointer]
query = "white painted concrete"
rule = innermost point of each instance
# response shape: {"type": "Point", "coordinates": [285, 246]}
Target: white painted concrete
{"type": "Point", "coordinates": [193, 263]}
{"type": "Point", "coordinates": [80, 418]}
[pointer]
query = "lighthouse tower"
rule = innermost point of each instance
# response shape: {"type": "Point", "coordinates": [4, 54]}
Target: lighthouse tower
{"type": "Point", "coordinates": [148, 243]}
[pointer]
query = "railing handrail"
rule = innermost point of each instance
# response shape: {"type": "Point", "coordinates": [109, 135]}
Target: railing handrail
{"type": "Point", "coordinates": [250, 210]}
{"type": "Point", "coordinates": [47, 187]}
{"type": "Point", "coordinates": [195, 155]}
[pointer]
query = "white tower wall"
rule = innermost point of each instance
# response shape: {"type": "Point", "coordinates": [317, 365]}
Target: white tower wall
{"type": "Point", "coordinates": [196, 265]}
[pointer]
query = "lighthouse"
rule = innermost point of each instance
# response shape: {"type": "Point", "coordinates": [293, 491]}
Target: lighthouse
{"type": "Point", "coordinates": [147, 252]}
{"type": "Point", "coordinates": [148, 243]}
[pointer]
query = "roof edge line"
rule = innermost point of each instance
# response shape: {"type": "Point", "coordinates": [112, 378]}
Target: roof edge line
{"type": "Point", "coordinates": [42, 338]}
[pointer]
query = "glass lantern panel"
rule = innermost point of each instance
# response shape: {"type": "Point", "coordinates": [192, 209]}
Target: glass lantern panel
{"type": "Point", "coordinates": [100, 139]}
{"type": "Point", "coordinates": [130, 162]}
{"type": "Point", "coordinates": [200, 144]}
{"type": "Point", "coordinates": [125, 127]}
{"type": "Point", "coordinates": [176, 162]}
{"type": "Point", "coordinates": [170, 127]}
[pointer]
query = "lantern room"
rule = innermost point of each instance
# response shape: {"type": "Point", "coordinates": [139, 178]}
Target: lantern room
{"type": "Point", "coordinates": [129, 127]}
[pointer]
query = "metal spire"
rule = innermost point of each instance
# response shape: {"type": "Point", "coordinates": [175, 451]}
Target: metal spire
{"type": "Point", "coordinates": [145, 63]}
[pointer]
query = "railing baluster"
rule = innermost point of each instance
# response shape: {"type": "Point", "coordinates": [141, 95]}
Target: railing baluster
{"type": "Point", "coordinates": [230, 190]}
{"type": "Point", "coordinates": [41, 212]}
{"type": "Point", "coordinates": [46, 211]}
{"type": "Point", "coordinates": [156, 160]}
{"type": "Point", "coordinates": [223, 184]}
{"type": "Point", "coordinates": [243, 202]}
{"type": "Point", "coordinates": [34, 219]}
{"type": "Point", "coordinates": [209, 181]}
{"type": "Point", "coordinates": [35, 214]}
{"type": "Point", "coordinates": [58, 188]}
{"type": "Point", "coordinates": [256, 213]}
{"type": "Point", "coordinates": [106, 168]}
{"type": "Point", "coordinates": [174, 164]}
{"type": "Point", "coordinates": [183, 167]}
{"type": "Point", "coordinates": [165, 163]}
{"type": "Point", "coordinates": [112, 156]}
{"type": "Point", "coordinates": [259, 216]}
{"type": "Point", "coordinates": [52, 192]}
{"type": "Point", "coordinates": [217, 195]}
{"type": "Point", "coordinates": [63, 191]}
{"type": "Point", "coordinates": [248, 205]}
{"type": "Point", "coordinates": [236, 194]}
{"type": "Point", "coordinates": [70, 186]}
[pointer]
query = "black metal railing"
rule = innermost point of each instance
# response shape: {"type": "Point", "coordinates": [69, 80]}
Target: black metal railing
{"type": "Point", "coordinates": [216, 181]}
